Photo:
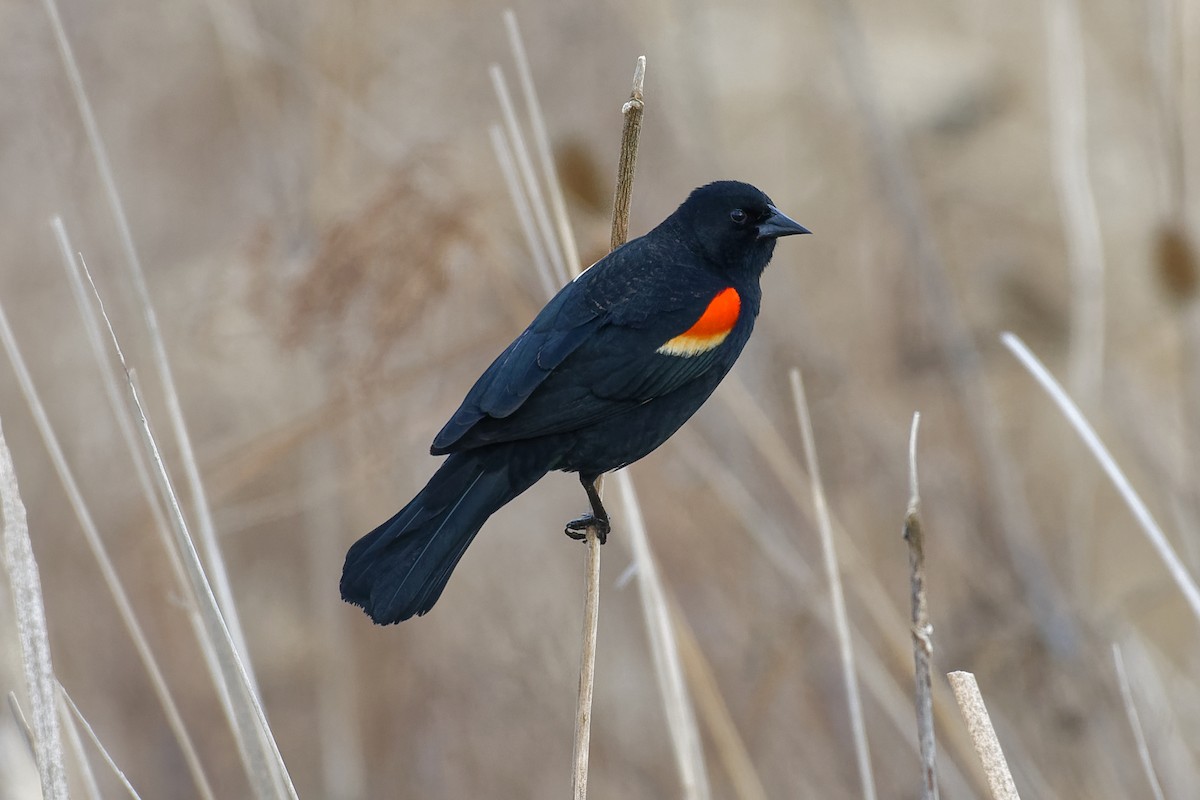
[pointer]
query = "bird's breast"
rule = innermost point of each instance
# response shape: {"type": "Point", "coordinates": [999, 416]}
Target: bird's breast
{"type": "Point", "coordinates": [710, 330]}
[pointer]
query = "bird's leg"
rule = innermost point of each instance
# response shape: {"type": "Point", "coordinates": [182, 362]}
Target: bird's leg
{"type": "Point", "coordinates": [597, 518]}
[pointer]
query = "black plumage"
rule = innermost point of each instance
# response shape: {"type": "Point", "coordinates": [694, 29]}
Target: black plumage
{"type": "Point", "coordinates": [606, 372]}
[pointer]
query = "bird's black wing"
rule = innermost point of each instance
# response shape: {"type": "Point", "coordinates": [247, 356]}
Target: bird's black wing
{"type": "Point", "coordinates": [590, 353]}
{"type": "Point", "coordinates": [559, 328]}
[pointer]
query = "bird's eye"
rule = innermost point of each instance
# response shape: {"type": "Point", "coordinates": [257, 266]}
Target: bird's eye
{"type": "Point", "coordinates": [738, 216]}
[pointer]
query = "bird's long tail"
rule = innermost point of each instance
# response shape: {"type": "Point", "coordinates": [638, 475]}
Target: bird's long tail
{"type": "Point", "coordinates": [400, 568]}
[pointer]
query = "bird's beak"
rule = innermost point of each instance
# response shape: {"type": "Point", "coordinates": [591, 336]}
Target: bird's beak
{"type": "Point", "coordinates": [779, 224]}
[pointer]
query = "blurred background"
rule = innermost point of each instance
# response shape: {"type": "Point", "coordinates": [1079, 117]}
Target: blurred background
{"type": "Point", "coordinates": [333, 256]}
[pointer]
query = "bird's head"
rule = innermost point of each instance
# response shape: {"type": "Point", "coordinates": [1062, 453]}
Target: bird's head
{"type": "Point", "coordinates": [734, 225]}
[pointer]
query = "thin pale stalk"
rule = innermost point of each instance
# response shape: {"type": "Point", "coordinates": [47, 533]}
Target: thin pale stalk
{"type": "Point", "coordinates": [137, 276]}
{"type": "Point", "coordinates": [587, 668]}
{"type": "Point", "coordinates": [520, 201]}
{"type": "Point", "coordinates": [1175, 567]}
{"type": "Point", "coordinates": [112, 391]}
{"type": "Point", "coordinates": [265, 768]}
{"type": "Point", "coordinates": [1077, 202]}
{"type": "Point", "coordinates": [83, 768]}
{"type": "Point", "coordinates": [26, 587]}
{"type": "Point", "coordinates": [681, 719]}
{"type": "Point", "coordinates": [833, 574]}
{"type": "Point", "coordinates": [108, 759]}
{"type": "Point", "coordinates": [91, 532]}
{"type": "Point", "coordinates": [922, 629]}
{"type": "Point", "coordinates": [541, 216]}
{"type": "Point", "coordinates": [1135, 724]}
{"type": "Point", "coordinates": [631, 133]}
{"type": "Point", "coordinates": [541, 142]}
{"type": "Point", "coordinates": [14, 708]}
{"type": "Point", "coordinates": [1085, 251]}
{"type": "Point", "coordinates": [714, 712]}
{"type": "Point", "coordinates": [344, 775]}
{"type": "Point", "coordinates": [979, 725]}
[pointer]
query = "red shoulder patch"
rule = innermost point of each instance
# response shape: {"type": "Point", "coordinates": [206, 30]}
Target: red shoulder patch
{"type": "Point", "coordinates": [711, 329]}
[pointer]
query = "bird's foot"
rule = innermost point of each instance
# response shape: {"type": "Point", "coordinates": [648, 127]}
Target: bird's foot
{"type": "Point", "coordinates": [577, 528]}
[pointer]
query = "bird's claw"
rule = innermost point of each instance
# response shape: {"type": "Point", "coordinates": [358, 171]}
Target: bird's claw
{"type": "Point", "coordinates": [577, 528]}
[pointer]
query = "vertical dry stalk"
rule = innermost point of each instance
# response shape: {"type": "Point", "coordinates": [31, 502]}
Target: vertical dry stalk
{"type": "Point", "coordinates": [731, 750]}
{"type": "Point", "coordinates": [69, 705]}
{"type": "Point", "coordinates": [979, 725]}
{"type": "Point", "coordinates": [1085, 250]}
{"type": "Point", "coordinates": [83, 767]}
{"type": "Point", "coordinates": [1135, 723]}
{"type": "Point", "coordinates": [838, 599]}
{"type": "Point", "coordinates": [591, 607]}
{"type": "Point", "coordinates": [516, 193]}
{"type": "Point", "coordinates": [922, 630]}
{"type": "Point", "coordinates": [26, 586]}
{"type": "Point", "coordinates": [587, 669]}
{"type": "Point", "coordinates": [1068, 124]}
{"type": "Point", "coordinates": [541, 141]}
{"type": "Point", "coordinates": [664, 648]}
{"type": "Point", "coordinates": [541, 216]}
{"type": "Point", "coordinates": [630, 136]}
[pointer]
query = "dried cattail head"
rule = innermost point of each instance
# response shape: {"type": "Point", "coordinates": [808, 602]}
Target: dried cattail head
{"type": "Point", "coordinates": [1175, 262]}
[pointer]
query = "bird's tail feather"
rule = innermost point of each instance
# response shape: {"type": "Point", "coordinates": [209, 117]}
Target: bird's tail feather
{"type": "Point", "coordinates": [400, 568]}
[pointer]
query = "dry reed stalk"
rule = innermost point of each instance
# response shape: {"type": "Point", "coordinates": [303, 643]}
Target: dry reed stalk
{"type": "Point", "coordinates": [833, 575]}
{"type": "Point", "coordinates": [1135, 723]}
{"type": "Point", "coordinates": [26, 587]}
{"type": "Point", "coordinates": [681, 719]}
{"type": "Point", "coordinates": [541, 141]}
{"type": "Point", "coordinates": [631, 134]}
{"type": "Point", "coordinates": [260, 753]}
{"type": "Point", "coordinates": [979, 725]}
{"type": "Point", "coordinates": [922, 629]}
{"type": "Point", "coordinates": [137, 277]}
{"type": "Point", "coordinates": [1085, 250]}
{"type": "Point", "coordinates": [1081, 224]}
{"type": "Point", "coordinates": [344, 775]}
{"type": "Point", "coordinates": [1169, 696]}
{"type": "Point", "coordinates": [14, 708]}
{"type": "Point", "coordinates": [68, 703]}
{"type": "Point", "coordinates": [1158, 539]}
{"type": "Point", "coordinates": [714, 711]}
{"type": "Point", "coordinates": [83, 767]}
{"type": "Point", "coordinates": [91, 531]}
{"type": "Point", "coordinates": [591, 607]}
{"type": "Point", "coordinates": [530, 182]}
{"type": "Point", "coordinates": [520, 201]}
{"type": "Point", "coordinates": [112, 390]}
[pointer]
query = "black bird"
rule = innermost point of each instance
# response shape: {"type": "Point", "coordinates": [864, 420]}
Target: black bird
{"type": "Point", "coordinates": [607, 371]}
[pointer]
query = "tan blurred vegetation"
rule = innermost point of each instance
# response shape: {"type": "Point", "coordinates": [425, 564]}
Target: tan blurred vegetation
{"type": "Point", "coordinates": [333, 255]}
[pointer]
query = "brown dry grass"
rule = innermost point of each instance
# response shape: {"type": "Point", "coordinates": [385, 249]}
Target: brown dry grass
{"type": "Point", "coordinates": [333, 257]}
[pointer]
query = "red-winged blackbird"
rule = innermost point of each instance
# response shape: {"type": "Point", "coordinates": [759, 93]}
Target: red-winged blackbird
{"type": "Point", "coordinates": [605, 373]}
